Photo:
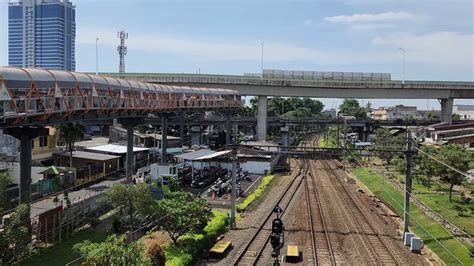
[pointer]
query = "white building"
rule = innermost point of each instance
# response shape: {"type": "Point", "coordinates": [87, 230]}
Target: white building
{"type": "Point", "coordinates": [465, 111]}
{"type": "Point", "coordinates": [401, 112]}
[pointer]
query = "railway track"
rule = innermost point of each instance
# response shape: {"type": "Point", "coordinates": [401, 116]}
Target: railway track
{"type": "Point", "coordinates": [377, 248]}
{"type": "Point", "coordinates": [322, 250]}
{"type": "Point", "coordinates": [252, 251]}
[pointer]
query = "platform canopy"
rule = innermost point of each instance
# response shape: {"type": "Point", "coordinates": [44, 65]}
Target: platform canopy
{"type": "Point", "coordinates": [192, 156]}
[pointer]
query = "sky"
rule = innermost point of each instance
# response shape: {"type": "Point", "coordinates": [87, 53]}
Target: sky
{"type": "Point", "coordinates": [225, 37]}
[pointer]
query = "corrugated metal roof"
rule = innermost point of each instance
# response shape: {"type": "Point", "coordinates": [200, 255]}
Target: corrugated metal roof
{"type": "Point", "coordinates": [191, 156]}
{"type": "Point", "coordinates": [90, 155]}
{"type": "Point", "coordinates": [212, 155]}
{"type": "Point", "coordinates": [116, 149]}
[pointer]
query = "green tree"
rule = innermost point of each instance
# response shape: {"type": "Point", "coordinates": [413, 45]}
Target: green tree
{"type": "Point", "coordinates": [278, 106]}
{"type": "Point", "coordinates": [457, 157]}
{"type": "Point", "coordinates": [5, 180]}
{"type": "Point", "coordinates": [383, 140]}
{"type": "Point", "coordinates": [181, 213]}
{"type": "Point", "coordinates": [456, 117]}
{"type": "Point", "coordinates": [113, 251]}
{"type": "Point", "coordinates": [133, 199]}
{"type": "Point", "coordinates": [301, 112]}
{"type": "Point", "coordinates": [70, 133]}
{"type": "Point", "coordinates": [426, 165]}
{"type": "Point", "coordinates": [351, 107]}
{"type": "Point", "coordinates": [247, 110]}
{"type": "Point", "coordinates": [432, 116]}
{"type": "Point", "coordinates": [15, 239]}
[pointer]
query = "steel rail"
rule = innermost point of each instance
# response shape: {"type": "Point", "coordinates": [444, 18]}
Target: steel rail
{"type": "Point", "coordinates": [332, 172]}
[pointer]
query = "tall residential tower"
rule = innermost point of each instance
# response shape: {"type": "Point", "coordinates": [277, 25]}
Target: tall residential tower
{"type": "Point", "coordinates": [42, 33]}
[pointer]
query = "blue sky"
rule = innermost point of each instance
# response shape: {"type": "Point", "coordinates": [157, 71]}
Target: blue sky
{"type": "Point", "coordinates": [224, 37]}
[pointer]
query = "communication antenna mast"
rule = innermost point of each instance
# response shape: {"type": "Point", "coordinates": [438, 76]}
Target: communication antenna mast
{"type": "Point", "coordinates": [122, 49]}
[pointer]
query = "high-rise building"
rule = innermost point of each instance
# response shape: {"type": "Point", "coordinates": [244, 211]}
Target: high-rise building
{"type": "Point", "coordinates": [42, 33]}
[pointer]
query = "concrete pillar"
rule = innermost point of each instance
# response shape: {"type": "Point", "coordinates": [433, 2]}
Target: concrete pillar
{"type": "Point", "coordinates": [25, 169]}
{"type": "Point", "coordinates": [195, 135]}
{"type": "Point", "coordinates": [447, 110]}
{"type": "Point", "coordinates": [130, 124]}
{"type": "Point", "coordinates": [285, 135]}
{"type": "Point", "coordinates": [227, 130]}
{"type": "Point", "coordinates": [181, 128]}
{"type": "Point", "coordinates": [26, 135]}
{"type": "Point", "coordinates": [129, 156]}
{"type": "Point", "coordinates": [164, 138]}
{"type": "Point", "coordinates": [262, 118]}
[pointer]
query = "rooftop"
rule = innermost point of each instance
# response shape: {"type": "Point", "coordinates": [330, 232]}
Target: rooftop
{"type": "Point", "coordinates": [115, 149]}
{"type": "Point", "coordinates": [90, 155]}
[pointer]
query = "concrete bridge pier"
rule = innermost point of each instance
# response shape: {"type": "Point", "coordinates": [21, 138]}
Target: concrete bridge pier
{"type": "Point", "coordinates": [285, 135]}
{"type": "Point", "coordinates": [446, 110]}
{"type": "Point", "coordinates": [130, 124]}
{"type": "Point", "coordinates": [181, 128]}
{"type": "Point", "coordinates": [26, 135]}
{"type": "Point", "coordinates": [164, 138]}
{"type": "Point", "coordinates": [228, 129]}
{"type": "Point", "coordinates": [262, 118]}
{"type": "Point", "coordinates": [196, 135]}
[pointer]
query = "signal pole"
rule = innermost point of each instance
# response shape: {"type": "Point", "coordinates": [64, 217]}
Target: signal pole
{"type": "Point", "coordinates": [122, 49]}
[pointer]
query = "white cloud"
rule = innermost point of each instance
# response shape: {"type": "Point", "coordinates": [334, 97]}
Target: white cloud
{"type": "Point", "coordinates": [224, 49]}
{"type": "Point", "coordinates": [369, 27]}
{"type": "Point", "coordinates": [446, 49]}
{"type": "Point", "coordinates": [371, 18]}
{"type": "Point", "coordinates": [308, 22]}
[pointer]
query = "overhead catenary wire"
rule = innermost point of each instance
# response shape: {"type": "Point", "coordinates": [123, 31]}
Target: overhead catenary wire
{"type": "Point", "coordinates": [434, 202]}
{"type": "Point", "coordinates": [443, 163]}
{"type": "Point", "coordinates": [416, 221]}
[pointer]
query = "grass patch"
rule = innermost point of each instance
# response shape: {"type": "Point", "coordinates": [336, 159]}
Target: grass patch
{"type": "Point", "coordinates": [438, 200]}
{"type": "Point", "coordinates": [327, 143]}
{"type": "Point", "coordinates": [392, 196]}
{"type": "Point", "coordinates": [60, 254]}
{"type": "Point", "coordinates": [256, 194]}
{"type": "Point", "coordinates": [190, 246]}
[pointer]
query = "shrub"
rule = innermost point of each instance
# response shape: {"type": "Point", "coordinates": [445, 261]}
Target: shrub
{"type": "Point", "coordinates": [116, 224]}
{"type": "Point", "coordinates": [191, 246]}
{"type": "Point", "coordinates": [94, 221]}
{"type": "Point", "coordinates": [155, 253]}
{"type": "Point", "coordinates": [460, 209]}
{"type": "Point", "coordinates": [256, 194]}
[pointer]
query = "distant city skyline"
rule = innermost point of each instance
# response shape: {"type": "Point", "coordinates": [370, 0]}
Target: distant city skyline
{"type": "Point", "coordinates": [224, 37]}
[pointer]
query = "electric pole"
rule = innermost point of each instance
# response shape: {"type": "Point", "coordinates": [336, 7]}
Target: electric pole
{"type": "Point", "coordinates": [406, 211]}
{"type": "Point", "coordinates": [122, 49]}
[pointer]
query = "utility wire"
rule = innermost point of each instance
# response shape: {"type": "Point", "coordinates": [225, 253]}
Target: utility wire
{"type": "Point", "coordinates": [412, 218]}
{"type": "Point", "coordinates": [443, 163]}
{"type": "Point", "coordinates": [437, 204]}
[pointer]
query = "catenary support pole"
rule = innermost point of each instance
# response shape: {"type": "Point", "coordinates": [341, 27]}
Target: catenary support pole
{"type": "Point", "coordinates": [408, 184]}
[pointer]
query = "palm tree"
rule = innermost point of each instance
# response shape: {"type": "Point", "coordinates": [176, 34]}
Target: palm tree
{"type": "Point", "coordinates": [70, 133]}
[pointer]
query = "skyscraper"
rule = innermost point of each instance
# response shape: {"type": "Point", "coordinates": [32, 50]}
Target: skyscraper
{"type": "Point", "coordinates": [42, 33]}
